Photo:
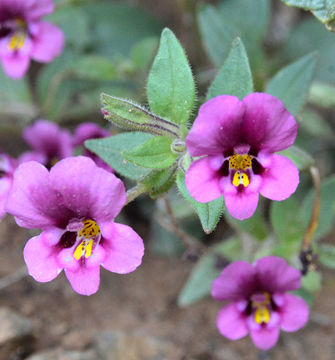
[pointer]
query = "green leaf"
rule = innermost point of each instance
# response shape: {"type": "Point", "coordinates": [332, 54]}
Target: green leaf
{"type": "Point", "coordinates": [109, 149]}
{"type": "Point", "coordinates": [308, 36]}
{"type": "Point", "coordinates": [300, 157]}
{"type": "Point", "coordinates": [327, 208]}
{"type": "Point", "coordinates": [159, 182]}
{"type": "Point", "coordinates": [200, 281]}
{"type": "Point", "coordinates": [131, 116]}
{"type": "Point", "coordinates": [291, 84]}
{"type": "Point", "coordinates": [235, 67]}
{"type": "Point", "coordinates": [313, 123]}
{"type": "Point", "coordinates": [209, 213]}
{"type": "Point", "coordinates": [153, 154]}
{"type": "Point", "coordinates": [311, 282]}
{"type": "Point", "coordinates": [171, 89]}
{"type": "Point", "coordinates": [327, 255]}
{"type": "Point", "coordinates": [322, 95]}
{"type": "Point", "coordinates": [143, 53]}
{"type": "Point", "coordinates": [94, 67]}
{"type": "Point", "coordinates": [287, 225]}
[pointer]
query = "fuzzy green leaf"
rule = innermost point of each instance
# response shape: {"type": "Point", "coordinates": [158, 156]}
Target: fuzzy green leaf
{"type": "Point", "coordinates": [209, 213]}
{"type": "Point", "coordinates": [153, 154]}
{"type": "Point", "coordinates": [300, 157]}
{"type": "Point", "coordinates": [291, 84]}
{"type": "Point", "coordinates": [94, 67]}
{"type": "Point", "coordinates": [159, 182]}
{"type": "Point", "coordinates": [171, 89]}
{"type": "Point", "coordinates": [109, 149]}
{"type": "Point", "coordinates": [235, 67]}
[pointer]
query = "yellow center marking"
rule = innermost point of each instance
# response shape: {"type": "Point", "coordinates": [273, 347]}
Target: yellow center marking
{"type": "Point", "coordinates": [89, 232]}
{"type": "Point", "coordinates": [262, 314]}
{"type": "Point", "coordinates": [241, 179]}
{"type": "Point", "coordinates": [240, 162]}
{"type": "Point", "coordinates": [16, 42]}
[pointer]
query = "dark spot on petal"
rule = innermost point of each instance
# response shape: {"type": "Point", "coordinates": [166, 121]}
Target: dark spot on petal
{"type": "Point", "coordinates": [2, 173]}
{"type": "Point", "coordinates": [224, 170]}
{"type": "Point", "coordinates": [257, 168]}
{"type": "Point", "coordinates": [67, 240]}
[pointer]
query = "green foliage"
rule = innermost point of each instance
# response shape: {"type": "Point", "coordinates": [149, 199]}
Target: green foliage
{"type": "Point", "coordinates": [131, 116]}
{"type": "Point", "coordinates": [291, 84]}
{"type": "Point", "coordinates": [308, 36]}
{"type": "Point", "coordinates": [313, 123]}
{"type": "Point", "coordinates": [236, 66]}
{"type": "Point", "coordinates": [327, 255]}
{"type": "Point", "coordinates": [155, 153]}
{"type": "Point", "coordinates": [171, 89]}
{"type": "Point", "coordinates": [102, 70]}
{"type": "Point", "coordinates": [322, 95]}
{"type": "Point", "coordinates": [159, 182]}
{"type": "Point", "coordinates": [143, 52]}
{"type": "Point", "coordinates": [311, 282]}
{"type": "Point", "coordinates": [109, 149]}
{"type": "Point", "coordinates": [327, 209]}
{"type": "Point", "coordinates": [209, 213]}
{"type": "Point", "coordinates": [300, 157]}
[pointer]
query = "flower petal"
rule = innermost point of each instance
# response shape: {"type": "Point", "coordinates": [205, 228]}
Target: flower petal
{"type": "Point", "coordinates": [35, 9]}
{"type": "Point", "coordinates": [217, 127]}
{"type": "Point", "coordinates": [202, 181]}
{"type": "Point", "coordinates": [15, 65]}
{"type": "Point", "coordinates": [48, 42]}
{"type": "Point", "coordinates": [88, 190]}
{"type": "Point", "coordinates": [87, 131]}
{"type": "Point", "coordinates": [293, 313]}
{"type": "Point", "coordinates": [32, 201]}
{"type": "Point", "coordinates": [232, 323]}
{"type": "Point", "coordinates": [267, 125]}
{"type": "Point", "coordinates": [241, 205]}
{"type": "Point", "coordinates": [5, 185]}
{"type": "Point", "coordinates": [40, 256]}
{"type": "Point", "coordinates": [275, 275]}
{"type": "Point", "coordinates": [124, 248]}
{"type": "Point", "coordinates": [236, 282]}
{"type": "Point", "coordinates": [280, 180]}
{"type": "Point", "coordinates": [84, 281]}
{"type": "Point", "coordinates": [265, 338]}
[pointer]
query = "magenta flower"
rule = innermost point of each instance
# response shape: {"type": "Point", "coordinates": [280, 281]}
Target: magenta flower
{"type": "Point", "coordinates": [7, 167]}
{"type": "Point", "coordinates": [259, 303]}
{"type": "Point", "coordinates": [74, 205]}
{"type": "Point", "coordinates": [88, 131]}
{"type": "Point", "coordinates": [237, 141]}
{"type": "Point", "coordinates": [24, 36]}
{"type": "Point", "coordinates": [50, 143]}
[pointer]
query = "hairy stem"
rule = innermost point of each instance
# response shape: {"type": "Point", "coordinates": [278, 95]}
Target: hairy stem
{"type": "Point", "coordinates": [134, 192]}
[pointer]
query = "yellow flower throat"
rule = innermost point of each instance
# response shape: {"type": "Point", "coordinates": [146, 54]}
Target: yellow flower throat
{"type": "Point", "coordinates": [240, 162]}
{"type": "Point", "coordinates": [90, 232]}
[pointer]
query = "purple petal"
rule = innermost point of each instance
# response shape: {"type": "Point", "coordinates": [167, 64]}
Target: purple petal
{"type": "Point", "coordinates": [217, 127]}
{"type": "Point", "coordinates": [40, 256]}
{"type": "Point", "coordinates": [265, 338]}
{"type": "Point", "coordinates": [88, 190]}
{"type": "Point", "coordinates": [276, 276]}
{"type": "Point", "coordinates": [48, 42]}
{"type": "Point", "coordinates": [232, 323]}
{"type": "Point", "coordinates": [124, 248]}
{"type": "Point", "coordinates": [15, 65]}
{"type": "Point", "coordinates": [33, 156]}
{"type": "Point", "coordinates": [202, 181]}
{"type": "Point", "coordinates": [267, 125]}
{"type": "Point", "coordinates": [281, 178]}
{"type": "Point", "coordinates": [293, 313]}
{"type": "Point", "coordinates": [236, 282]}
{"type": "Point", "coordinates": [31, 199]}
{"type": "Point", "coordinates": [241, 205]}
{"type": "Point", "coordinates": [5, 185]}
{"type": "Point", "coordinates": [84, 281]}
{"type": "Point", "coordinates": [35, 9]}
{"type": "Point", "coordinates": [88, 131]}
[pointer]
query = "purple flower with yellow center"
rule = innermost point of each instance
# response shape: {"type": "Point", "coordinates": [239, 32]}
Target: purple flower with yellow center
{"type": "Point", "coordinates": [88, 131]}
{"type": "Point", "coordinates": [24, 36]}
{"type": "Point", "coordinates": [259, 302]}
{"type": "Point", "coordinates": [49, 142]}
{"type": "Point", "coordinates": [7, 168]}
{"type": "Point", "coordinates": [236, 141]}
{"type": "Point", "coordinates": [74, 205]}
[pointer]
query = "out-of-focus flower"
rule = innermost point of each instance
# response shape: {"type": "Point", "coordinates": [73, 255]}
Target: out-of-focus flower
{"type": "Point", "coordinates": [24, 36]}
{"type": "Point", "coordinates": [88, 131]}
{"type": "Point", "coordinates": [259, 302]}
{"type": "Point", "coordinates": [49, 143]}
{"type": "Point", "coordinates": [238, 140]}
{"type": "Point", "coordinates": [74, 205]}
{"type": "Point", "coordinates": [7, 167]}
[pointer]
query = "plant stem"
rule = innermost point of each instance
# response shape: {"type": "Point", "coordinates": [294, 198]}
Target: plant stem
{"type": "Point", "coordinates": [134, 192]}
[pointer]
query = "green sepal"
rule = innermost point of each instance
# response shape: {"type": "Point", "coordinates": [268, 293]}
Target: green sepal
{"type": "Point", "coordinates": [160, 182]}
{"type": "Point", "coordinates": [130, 116]}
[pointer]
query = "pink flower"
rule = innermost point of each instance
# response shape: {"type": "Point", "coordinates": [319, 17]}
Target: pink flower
{"type": "Point", "coordinates": [49, 142]}
{"type": "Point", "coordinates": [24, 36]}
{"type": "Point", "coordinates": [74, 205]}
{"type": "Point", "coordinates": [7, 167]}
{"type": "Point", "coordinates": [237, 141]}
{"type": "Point", "coordinates": [259, 303]}
{"type": "Point", "coordinates": [88, 131]}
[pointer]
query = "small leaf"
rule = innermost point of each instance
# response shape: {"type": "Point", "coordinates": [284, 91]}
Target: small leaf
{"type": "Point", "coordinates": [327, 255]}
{"type": "Point", "coordinates": [109, 149]}
{"type": "Point", "coordinates": [153, 154]}
{"type": "Point", "coordinates": [311, 282]}
{"type": "Point", "coordinates": [313, 123]}
{"type": "Point", "coordinates": [131, 116]}
{"type": "Point", "coordinates": [235, 67]}
{"type": "Point", "coordinates": [143, 53]}
{"type": "Point", "coordinates": [94, 67]}
{"type": "Point", "coordinates": [209, 213]}
{"type": "Point", "coordinates": [322, 95]}
{"type": "Point", "coordinates": [171, 89]}
{"type": "Point", "coordinates": [300, 157]}
{"type": "Point", "coordinates": [291, 84]}
{"type": "Point", "coordinates": [159, 182]}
